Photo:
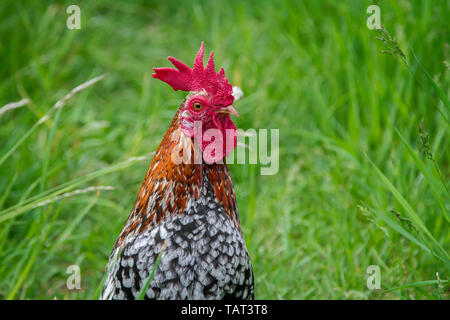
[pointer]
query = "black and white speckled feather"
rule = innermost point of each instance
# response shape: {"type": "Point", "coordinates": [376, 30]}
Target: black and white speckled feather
{"type": "Point", "coordinates": [205, 257]}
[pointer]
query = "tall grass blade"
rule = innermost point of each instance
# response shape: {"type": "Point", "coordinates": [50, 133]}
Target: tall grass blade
{"type": "Point", "coordinates": [32, 202]}
{"type": "Point", "coordinates": [435, 184]}
{"type": "Point", "coordinates": [435, 86]}
{"type": "Point", "coordinates": [150, 277]}
{"type": "Point", "coordinates": [409, 210]}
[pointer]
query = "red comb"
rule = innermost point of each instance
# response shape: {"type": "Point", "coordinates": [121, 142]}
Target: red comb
{"type": "Point", "coordinates": [198, 78]}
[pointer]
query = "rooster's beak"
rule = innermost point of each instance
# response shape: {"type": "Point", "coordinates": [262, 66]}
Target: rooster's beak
{"type": "Point", "coordinates": [230, 111]}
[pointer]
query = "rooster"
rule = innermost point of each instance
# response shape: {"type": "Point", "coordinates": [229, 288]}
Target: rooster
{"type": "Point", "coordinates": [184, 228]}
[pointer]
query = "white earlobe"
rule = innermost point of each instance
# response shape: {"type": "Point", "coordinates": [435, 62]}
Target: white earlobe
{"type": "Point", "coordinates": [237, 93]}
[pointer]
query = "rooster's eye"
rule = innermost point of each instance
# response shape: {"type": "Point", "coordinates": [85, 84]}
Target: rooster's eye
{"type": "Point", "coordinates": [197, 106]}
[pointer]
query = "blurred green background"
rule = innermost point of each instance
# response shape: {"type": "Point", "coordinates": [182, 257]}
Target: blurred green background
{"type": "Point", "coordinates": [364, 149]}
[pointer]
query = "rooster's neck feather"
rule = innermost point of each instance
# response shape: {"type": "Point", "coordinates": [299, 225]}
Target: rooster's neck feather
{"type": "Point", "coordinates": [169, 188]}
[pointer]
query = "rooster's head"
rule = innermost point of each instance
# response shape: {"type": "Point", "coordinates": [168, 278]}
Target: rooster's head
{"type": "Point", "coordinates": [207, 106]}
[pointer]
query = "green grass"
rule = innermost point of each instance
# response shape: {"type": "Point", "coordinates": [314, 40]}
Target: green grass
{"type": "Point", "coordinates": [359, 183]}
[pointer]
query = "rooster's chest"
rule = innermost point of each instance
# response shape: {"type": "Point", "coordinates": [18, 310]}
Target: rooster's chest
{"type": "Point", "coordinates": [203, 257]}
